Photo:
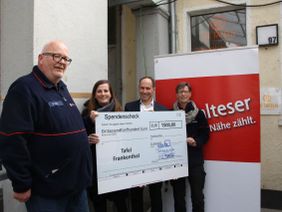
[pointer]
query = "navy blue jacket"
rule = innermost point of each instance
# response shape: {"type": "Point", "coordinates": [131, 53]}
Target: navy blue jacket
{"type": "Point", "coordinates": [44, 144]}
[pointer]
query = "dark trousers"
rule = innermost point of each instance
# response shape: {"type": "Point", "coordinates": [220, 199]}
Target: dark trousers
{"type": "Point", "coordinates": [155, 196]}
{"type": "Point", "coordinates": [75, 202]}
{"type": "Point", "coordinates": [197, 181]}
{"type": "Point", "coordinates": [118, 197]}
{"type": "Point", "coordinates": [179, 192]}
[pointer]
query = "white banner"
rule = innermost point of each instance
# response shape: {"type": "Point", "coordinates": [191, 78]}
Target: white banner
{"type": "Point", "coordinates": [225, 84]}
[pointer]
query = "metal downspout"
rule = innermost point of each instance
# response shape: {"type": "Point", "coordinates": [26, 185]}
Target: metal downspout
{"type": "Point", "coordinates": [172, 28]}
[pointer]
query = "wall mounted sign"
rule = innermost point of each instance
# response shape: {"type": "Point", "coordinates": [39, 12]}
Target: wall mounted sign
{"type": "Point", "coordinates": [267, 35]}
{"type": "Point", "coordinates": [270, 101]}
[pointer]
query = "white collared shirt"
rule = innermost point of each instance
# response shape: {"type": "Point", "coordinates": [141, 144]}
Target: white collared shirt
{"type": "Point", "coordinates": [147, 108]}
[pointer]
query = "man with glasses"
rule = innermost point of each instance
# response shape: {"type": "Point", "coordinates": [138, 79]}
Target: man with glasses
{"type": "Point", "coordinates": [44, 146]}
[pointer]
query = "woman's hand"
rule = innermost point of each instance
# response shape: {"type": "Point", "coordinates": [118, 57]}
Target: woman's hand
{"type": "Point", "coordinates": [93, 115]}
{"type": "Point", "coordinates": [93, 138]}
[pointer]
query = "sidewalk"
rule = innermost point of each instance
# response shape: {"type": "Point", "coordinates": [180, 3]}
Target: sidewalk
{"type": "Point", "coordinates": [270, 210]}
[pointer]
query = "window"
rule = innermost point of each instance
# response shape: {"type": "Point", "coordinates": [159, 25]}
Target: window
{"type": "Point", "coordinates": [219, 30]}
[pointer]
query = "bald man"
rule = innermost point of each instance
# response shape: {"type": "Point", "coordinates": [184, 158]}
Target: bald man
{"type": "Point", "coordinates": [44, 145]}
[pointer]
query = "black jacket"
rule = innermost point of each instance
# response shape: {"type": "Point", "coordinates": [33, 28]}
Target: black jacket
{"type": "Point", "coordinates": [135, 106]}
{"type": "Point", "coordinates": [199, 130]}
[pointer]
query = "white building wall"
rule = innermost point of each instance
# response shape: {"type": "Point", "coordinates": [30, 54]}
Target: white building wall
{"type": "Point", "coordinates": [270, 76]}
{"type": "Point", "coordinates": [82, 25]}
{"type": "Point", "coordinates": [16, 44]}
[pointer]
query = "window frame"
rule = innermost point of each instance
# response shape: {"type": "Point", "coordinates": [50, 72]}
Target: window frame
{"type": "Point", "coordinates": [189, 14]}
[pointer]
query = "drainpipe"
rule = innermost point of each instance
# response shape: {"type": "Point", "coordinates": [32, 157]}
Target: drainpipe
{"type": "Point", "coordinates": [172, 28]}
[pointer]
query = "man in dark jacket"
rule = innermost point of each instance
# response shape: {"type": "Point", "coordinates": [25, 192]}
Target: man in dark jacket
{"type": "Point", "coordinates": [146, 103]}
{"type": "Point", "coordinates": [197, 129]}
{"type": "Point", "coordinates": [44, 145]}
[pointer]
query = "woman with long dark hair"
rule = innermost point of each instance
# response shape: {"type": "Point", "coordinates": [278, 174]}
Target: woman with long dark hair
{"type": "Point", "coordinates": [102, 100]}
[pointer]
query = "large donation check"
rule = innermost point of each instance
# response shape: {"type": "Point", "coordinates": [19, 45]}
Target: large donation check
{"type": "Point", "coordinates": [139, 148]}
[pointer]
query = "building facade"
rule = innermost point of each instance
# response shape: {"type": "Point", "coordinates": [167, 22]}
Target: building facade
{"type": "Point", "coordinates": [195, 25]}
{"type": "Point", "coordinates": [137, 31]}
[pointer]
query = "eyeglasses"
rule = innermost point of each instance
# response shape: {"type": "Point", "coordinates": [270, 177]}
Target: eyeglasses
{"type": "Point", "coordinates": [183, 91]}
{"type": "Point", "coordinates": [58, 58]}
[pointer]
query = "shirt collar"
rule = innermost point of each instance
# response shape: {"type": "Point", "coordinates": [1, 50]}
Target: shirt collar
{"type": "Point", "coordinates": [44, 81]}
{"type": "Point", "coordinates": [149, 107]}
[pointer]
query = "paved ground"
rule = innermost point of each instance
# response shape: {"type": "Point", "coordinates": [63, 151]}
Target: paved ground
{"type": "Point", "coordinates": [270, 210]}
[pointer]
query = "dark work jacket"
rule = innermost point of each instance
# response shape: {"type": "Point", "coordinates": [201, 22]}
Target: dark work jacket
{"type": "Point", "coordinates": [43, 141]}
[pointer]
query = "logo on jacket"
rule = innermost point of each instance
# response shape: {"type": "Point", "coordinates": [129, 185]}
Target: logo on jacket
{"type": "Point", "coordinates": [55, 103]}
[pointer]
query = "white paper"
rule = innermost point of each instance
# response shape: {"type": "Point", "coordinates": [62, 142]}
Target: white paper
{"type": "Point", "coordinates": [140, 148]}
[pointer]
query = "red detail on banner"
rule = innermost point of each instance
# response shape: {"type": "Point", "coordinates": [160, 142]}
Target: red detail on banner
{"type": "Point", "coordinates": [232, 106]}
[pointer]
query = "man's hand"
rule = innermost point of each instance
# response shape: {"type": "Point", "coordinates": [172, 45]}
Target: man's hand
{"type": "Point", "coordinates": [22, 197]}
{"type": "Point", "coordinates": [191, 142]}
